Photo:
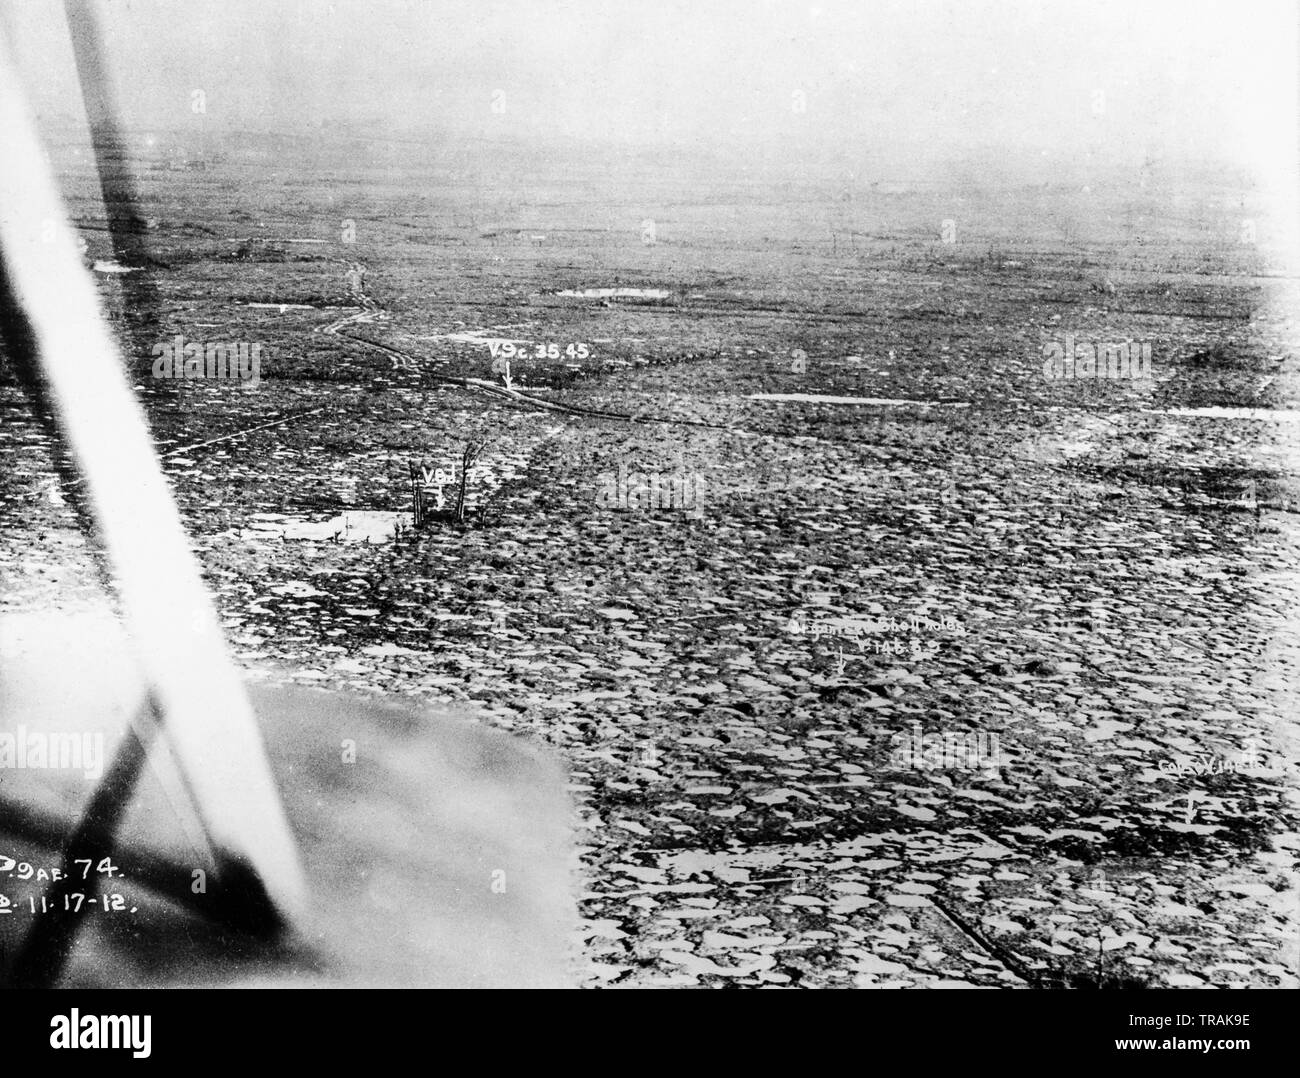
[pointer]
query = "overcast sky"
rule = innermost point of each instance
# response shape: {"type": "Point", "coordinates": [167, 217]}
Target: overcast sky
{"type": "Point", "coordinates": [1141, 76]}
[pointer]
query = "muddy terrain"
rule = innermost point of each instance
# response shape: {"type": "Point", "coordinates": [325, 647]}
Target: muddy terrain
{"type": "Point", "coordinates": [954, 674]}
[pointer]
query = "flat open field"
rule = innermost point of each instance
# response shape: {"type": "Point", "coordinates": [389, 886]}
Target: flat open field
{"type": "Point", "coordinates": [1098, 578]}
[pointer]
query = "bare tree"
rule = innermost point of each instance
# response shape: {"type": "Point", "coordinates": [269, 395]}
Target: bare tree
{"type": "Point", "coordinates": [471, 450]}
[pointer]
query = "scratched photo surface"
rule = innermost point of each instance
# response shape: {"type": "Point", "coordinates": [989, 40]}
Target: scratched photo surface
{"type": "Point", "coordinates": [730, 494]}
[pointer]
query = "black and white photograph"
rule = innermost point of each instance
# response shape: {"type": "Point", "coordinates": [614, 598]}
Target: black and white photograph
{"type": "Point", "coordinates": [690, 494]}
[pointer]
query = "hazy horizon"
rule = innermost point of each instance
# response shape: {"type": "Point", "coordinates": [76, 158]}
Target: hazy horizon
{"type": "Point", "coordinates": [926, 80]}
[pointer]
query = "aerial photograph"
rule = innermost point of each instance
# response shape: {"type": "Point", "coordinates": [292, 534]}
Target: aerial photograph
{"type": "Point", "coordinates": [718, 494]}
